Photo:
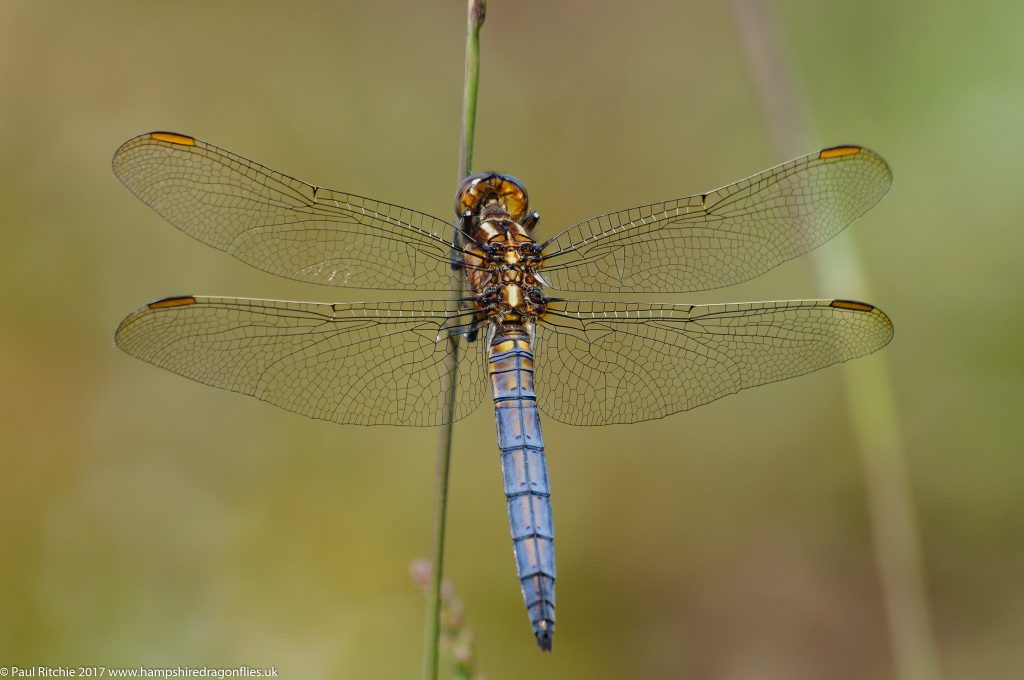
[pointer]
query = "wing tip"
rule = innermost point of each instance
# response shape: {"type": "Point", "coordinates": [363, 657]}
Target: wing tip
{"type": "Point", "coordinates": [847, 150]}
{"type": "Point", "coordinates": [863, 307]}
{"type": "Point", "coordinates": [155, 305]}
{"type": "Point", "coordinates": [175, 138]}
{"type": "Point", "coordinates": [171, 138]}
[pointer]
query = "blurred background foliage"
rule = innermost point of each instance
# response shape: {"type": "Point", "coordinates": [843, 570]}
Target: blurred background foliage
{"type": "Point", "coordinates": [146, 519]}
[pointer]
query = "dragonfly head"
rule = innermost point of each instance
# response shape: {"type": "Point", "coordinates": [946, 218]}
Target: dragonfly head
{"type": "Point", "coordinates": [488, 188]}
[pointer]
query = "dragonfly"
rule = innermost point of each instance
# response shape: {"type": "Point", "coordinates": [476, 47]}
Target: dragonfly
{"type": "Point", "coordinates": [578, 360]}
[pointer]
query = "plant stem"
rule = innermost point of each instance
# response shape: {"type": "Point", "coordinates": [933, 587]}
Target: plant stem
{"type": "Point", "coordinates": [475, 19]}
{"type": "Point", "coordinates": [869, 391]}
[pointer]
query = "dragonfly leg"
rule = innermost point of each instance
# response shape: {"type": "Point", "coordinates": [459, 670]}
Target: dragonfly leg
{"type": "Point", "coordinates": [531, 220]}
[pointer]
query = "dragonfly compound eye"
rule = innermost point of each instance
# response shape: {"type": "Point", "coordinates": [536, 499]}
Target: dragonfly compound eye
{"type": "Point", "coordinates": [482, 188]}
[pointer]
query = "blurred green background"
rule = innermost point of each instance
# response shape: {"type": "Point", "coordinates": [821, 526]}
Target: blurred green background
{"type": "Point", "coordinates": [145, 519]}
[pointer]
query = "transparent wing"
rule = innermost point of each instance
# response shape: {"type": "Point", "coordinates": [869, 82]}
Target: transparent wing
{"type": "Point", "coordinates": [604, 362]}
{"type": "Point", "coordinates": [282, 225]}
{"type": "Point", "coordinates": [722, 237]}
{"type": "Point", "coordinates": [361, 363]}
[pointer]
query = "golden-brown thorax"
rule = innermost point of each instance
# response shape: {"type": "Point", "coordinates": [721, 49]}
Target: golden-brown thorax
{"type": "Point", "coordinates": [501, 259]}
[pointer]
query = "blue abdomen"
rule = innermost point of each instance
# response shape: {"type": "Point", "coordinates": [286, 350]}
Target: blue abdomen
{"type": "Point", "coordinates": [525, 474]}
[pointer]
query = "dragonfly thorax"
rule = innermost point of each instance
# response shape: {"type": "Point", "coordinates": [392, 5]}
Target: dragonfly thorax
{"type": "Point", "coordinates": [502, 272]}
{"type": "Point", "coordinates": [501, 257]}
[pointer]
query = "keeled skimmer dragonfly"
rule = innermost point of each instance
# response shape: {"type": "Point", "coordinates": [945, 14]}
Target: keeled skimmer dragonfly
{"type": "Point", "coordinates": [594, 362]}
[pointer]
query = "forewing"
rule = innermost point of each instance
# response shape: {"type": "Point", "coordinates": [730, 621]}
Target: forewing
{"type": "Point", "coordinates": [361, 363]}
{"type": "Point", "coordinates": [722, 237]}
{"type": "Point", "coordinates": [602, 362]}
{"type": "Point", "coordinates": [283, 225]}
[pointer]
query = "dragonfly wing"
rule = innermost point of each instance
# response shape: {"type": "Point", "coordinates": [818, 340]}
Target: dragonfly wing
{"type": "Point", "coordinates": [599, 363]}
{"type": "Point", "coordinates": [283, 225]}
{"type": "Point", "coordinates": [722, 237]}
{"type": "Point", "coordinates": [361, 363]}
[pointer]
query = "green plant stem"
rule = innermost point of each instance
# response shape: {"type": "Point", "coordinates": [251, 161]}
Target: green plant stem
{"type": "Point", "coordinates": [475, 19]}
{"type": "Point", "coordinates": [869, 392]}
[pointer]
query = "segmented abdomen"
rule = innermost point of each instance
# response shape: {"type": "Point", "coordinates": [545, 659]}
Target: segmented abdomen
{"type": "Point", "coordinates": [525, 473]}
